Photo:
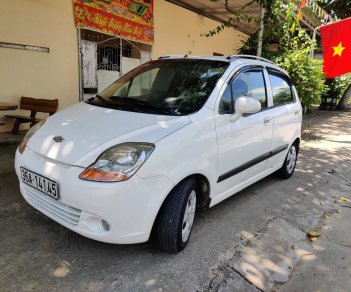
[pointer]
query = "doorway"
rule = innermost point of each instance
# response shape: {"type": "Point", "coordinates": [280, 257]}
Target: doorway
{"type": "Point", "coordinates": [104, 58]}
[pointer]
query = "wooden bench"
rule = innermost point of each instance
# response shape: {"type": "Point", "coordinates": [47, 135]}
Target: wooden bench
{"type": "Point", "coordinates": [34, 105]}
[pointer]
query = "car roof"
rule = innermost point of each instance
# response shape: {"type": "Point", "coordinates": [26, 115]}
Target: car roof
{"type": "Point", "coordinates": [236, 60]}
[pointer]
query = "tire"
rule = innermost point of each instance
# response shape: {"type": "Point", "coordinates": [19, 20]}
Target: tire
{"type": "Point", "coordinates": [289, 164]}
{"type": "Point", "coordinates": [177, 216]}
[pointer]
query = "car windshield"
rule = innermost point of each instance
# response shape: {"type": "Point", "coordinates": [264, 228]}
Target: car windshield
{"type": "Point", "coordinates": [166, 87]}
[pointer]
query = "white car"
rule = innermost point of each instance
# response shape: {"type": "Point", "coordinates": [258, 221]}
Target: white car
{"type": "Point", "coordinates": [167, 139]}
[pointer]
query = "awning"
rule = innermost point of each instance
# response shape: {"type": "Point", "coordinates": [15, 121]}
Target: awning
{"type": "Point", "coordinates": [215, 10]}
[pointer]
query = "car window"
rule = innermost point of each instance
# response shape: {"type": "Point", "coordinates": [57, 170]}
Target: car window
{"type": "Point", "coordinates": [281, 89]}
{"type": "Point", "coordinates": [141, 84]}
{"type": "Point", "coordinates": [167, 87]}
{"type": "Point", "coordinates": [226, 102]}
{"type": "Point", "coordinates": [250, 83]}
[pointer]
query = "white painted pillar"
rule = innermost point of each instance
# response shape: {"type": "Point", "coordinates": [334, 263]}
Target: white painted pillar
{"type": "Point", "coordinates": [260, 33]}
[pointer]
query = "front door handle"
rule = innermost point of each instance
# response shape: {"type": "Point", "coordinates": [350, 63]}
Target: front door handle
{"type": "Point", "coordinates": [267, 120]}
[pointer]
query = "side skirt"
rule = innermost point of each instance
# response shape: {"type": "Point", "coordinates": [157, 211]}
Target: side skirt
{"type": "Point", "coordinates": [243, 185]}
{"type": "Point", "coordinates": [251, 163]}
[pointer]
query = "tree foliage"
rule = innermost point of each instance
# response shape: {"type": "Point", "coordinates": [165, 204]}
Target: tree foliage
{"type": "Point", "coordinates": [306, 74]}
{"type": "Point", "coordinates": [339, 8]}
{"type": "Point", "coordinates": [294, 55]}
{"type": "Point", "coordinates": [294, 46]}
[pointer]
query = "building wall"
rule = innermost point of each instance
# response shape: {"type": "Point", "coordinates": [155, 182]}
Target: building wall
{"type": "Point", "coordinates": [177, 31]}
{"type": "Point", "coordinates": [44, 23]}
{"type": "Point", "coordinates": [48, 23]}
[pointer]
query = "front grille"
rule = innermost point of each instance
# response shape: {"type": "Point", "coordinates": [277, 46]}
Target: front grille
{"type": "Point", "coordinates": [52, 207]}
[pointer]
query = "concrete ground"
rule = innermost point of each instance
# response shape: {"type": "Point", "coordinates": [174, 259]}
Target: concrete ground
{"type": "Point", "coordinates": [255, 240]}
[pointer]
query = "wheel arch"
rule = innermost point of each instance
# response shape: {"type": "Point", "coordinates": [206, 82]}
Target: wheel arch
{"type": "Point", "coordinates": [297, 141]}
{"type": "Point", "coordinates": [203, 198]}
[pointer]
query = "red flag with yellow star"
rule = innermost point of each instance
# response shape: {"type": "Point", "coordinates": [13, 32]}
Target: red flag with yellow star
{"type": "Point", "coordinates": [336, 42]}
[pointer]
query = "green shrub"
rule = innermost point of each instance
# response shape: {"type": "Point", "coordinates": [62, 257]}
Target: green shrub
{"type": "Point", "coordinates": [306, 74]}
{"type": "Point", "coordinates": [343, 82]}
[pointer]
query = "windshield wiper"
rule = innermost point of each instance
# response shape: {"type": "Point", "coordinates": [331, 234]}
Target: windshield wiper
{"type": "Point", "coordinates": [128, 103]}
{"type": "Point", "coordinates": [115, 97]}
{"type": "Point", "coordinates": [140, 104]}
{"type": "Point", "coordinates": [100, 98]}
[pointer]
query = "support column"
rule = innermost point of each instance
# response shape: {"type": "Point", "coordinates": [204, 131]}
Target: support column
{"type": "Point", "coordinates": [260, 33]}
{"type": "Point", "coordinates": [313, 38]}
{"type": "Point", "coordinates": [80, 64]}
{"type": "Point", "coordinates": [120, 56]}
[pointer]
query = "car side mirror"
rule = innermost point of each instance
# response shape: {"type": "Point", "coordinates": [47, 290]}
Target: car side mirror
{"type": "Point", "coordinates": [245, 105]}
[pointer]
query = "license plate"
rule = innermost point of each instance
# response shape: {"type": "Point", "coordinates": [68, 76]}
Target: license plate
{"type": "Point", "coordinates": [39, 182]}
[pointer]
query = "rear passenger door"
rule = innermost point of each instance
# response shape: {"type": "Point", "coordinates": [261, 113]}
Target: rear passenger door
{"type": "Point", "coordinates": [286, 115]}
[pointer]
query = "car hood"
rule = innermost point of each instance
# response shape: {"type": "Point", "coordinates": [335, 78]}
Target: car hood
{"type": "Point", "coordinates": [88, 130]}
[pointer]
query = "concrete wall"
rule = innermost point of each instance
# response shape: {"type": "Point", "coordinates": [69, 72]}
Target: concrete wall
{"type": "Point", "coordinates": [44, 23]}
{"type": "Point", "coordinates": [177, 31]}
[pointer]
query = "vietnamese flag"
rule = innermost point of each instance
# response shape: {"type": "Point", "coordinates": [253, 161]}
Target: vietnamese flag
{"type": "Point", "coordinates": [336, 42]}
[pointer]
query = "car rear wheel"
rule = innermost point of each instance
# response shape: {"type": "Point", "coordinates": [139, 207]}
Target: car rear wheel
{"type": "Point", "coordinates": [177, 216]}
{"type": "Point", "coordinates": [289, 164]}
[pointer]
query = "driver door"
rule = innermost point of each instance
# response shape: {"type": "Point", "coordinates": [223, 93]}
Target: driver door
{"type": "Point", "coordinates": [243, 145]}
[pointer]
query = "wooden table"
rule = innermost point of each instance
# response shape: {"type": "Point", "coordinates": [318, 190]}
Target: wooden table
{"type": "Point", "coordinates": [5, 106]}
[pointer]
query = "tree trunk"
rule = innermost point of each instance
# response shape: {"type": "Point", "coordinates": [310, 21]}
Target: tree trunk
{"type": "Point", "coordinates": [343, 102]}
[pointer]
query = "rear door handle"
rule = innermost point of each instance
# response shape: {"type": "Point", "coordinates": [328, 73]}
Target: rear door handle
{"type": "Point", "coordinates": [296, 112]}
{"type": "Point", "coordinates": [267, 120]}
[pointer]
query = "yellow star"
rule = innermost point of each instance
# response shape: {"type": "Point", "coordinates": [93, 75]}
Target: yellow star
{"type": "Point", "coordinates": [338, 50]}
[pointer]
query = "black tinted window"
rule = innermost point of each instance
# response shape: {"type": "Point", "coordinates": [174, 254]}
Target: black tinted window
{"type": "Point", "coordinates": [281, 89]}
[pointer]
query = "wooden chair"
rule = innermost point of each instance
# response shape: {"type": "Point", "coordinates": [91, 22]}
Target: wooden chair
{"type": "Point", "coordinates": [34, 105]}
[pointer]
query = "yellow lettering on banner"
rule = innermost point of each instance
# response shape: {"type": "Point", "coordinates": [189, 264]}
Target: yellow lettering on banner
{"type": "Point", "coordinates": [83, 15]}
{"type": "Point", "coordinates": [137, 31]}
{"type": "Point", "coordinates": [100, 20]}
{"type": "Point", "coordinates": [115, 25]}
{"type": "Point", "coordinates": [128, 28]}
{"type": "Point", "coordinates": [80, 14]}
{"type": "Point", "coordinates": [88, 15]}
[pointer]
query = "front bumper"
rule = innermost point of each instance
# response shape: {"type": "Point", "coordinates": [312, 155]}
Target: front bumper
{"type": "Point", "coordinates": [129, 207]}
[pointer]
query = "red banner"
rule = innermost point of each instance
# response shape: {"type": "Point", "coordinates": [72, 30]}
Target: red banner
{"type": "Point", "coordinates": [336, 42]}
{"type": "Point", "coordinates": [128, 19]}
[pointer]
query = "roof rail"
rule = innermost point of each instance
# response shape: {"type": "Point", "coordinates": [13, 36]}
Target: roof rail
{"type": "Point", "coordinates": [250, 57]}
{"type": "Point", "coordinates": [172, 56]}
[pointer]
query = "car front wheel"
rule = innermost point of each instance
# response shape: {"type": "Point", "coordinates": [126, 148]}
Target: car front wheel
{"type": "Point", "coordinates": [177, 216]}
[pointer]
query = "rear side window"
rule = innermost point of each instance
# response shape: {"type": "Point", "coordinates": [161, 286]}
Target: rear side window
{"type": "Point", "coordinates": [281, 89]}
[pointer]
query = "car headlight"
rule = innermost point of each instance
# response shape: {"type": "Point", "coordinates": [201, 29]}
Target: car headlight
{"type": "Point", "coordinates": [118, 163]}
{"type": "Point", "coordinates": [29, 135]}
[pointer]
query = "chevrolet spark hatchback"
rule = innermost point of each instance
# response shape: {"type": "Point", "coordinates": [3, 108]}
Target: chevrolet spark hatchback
{"type": "Point", "coordinates": [167, 139]}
